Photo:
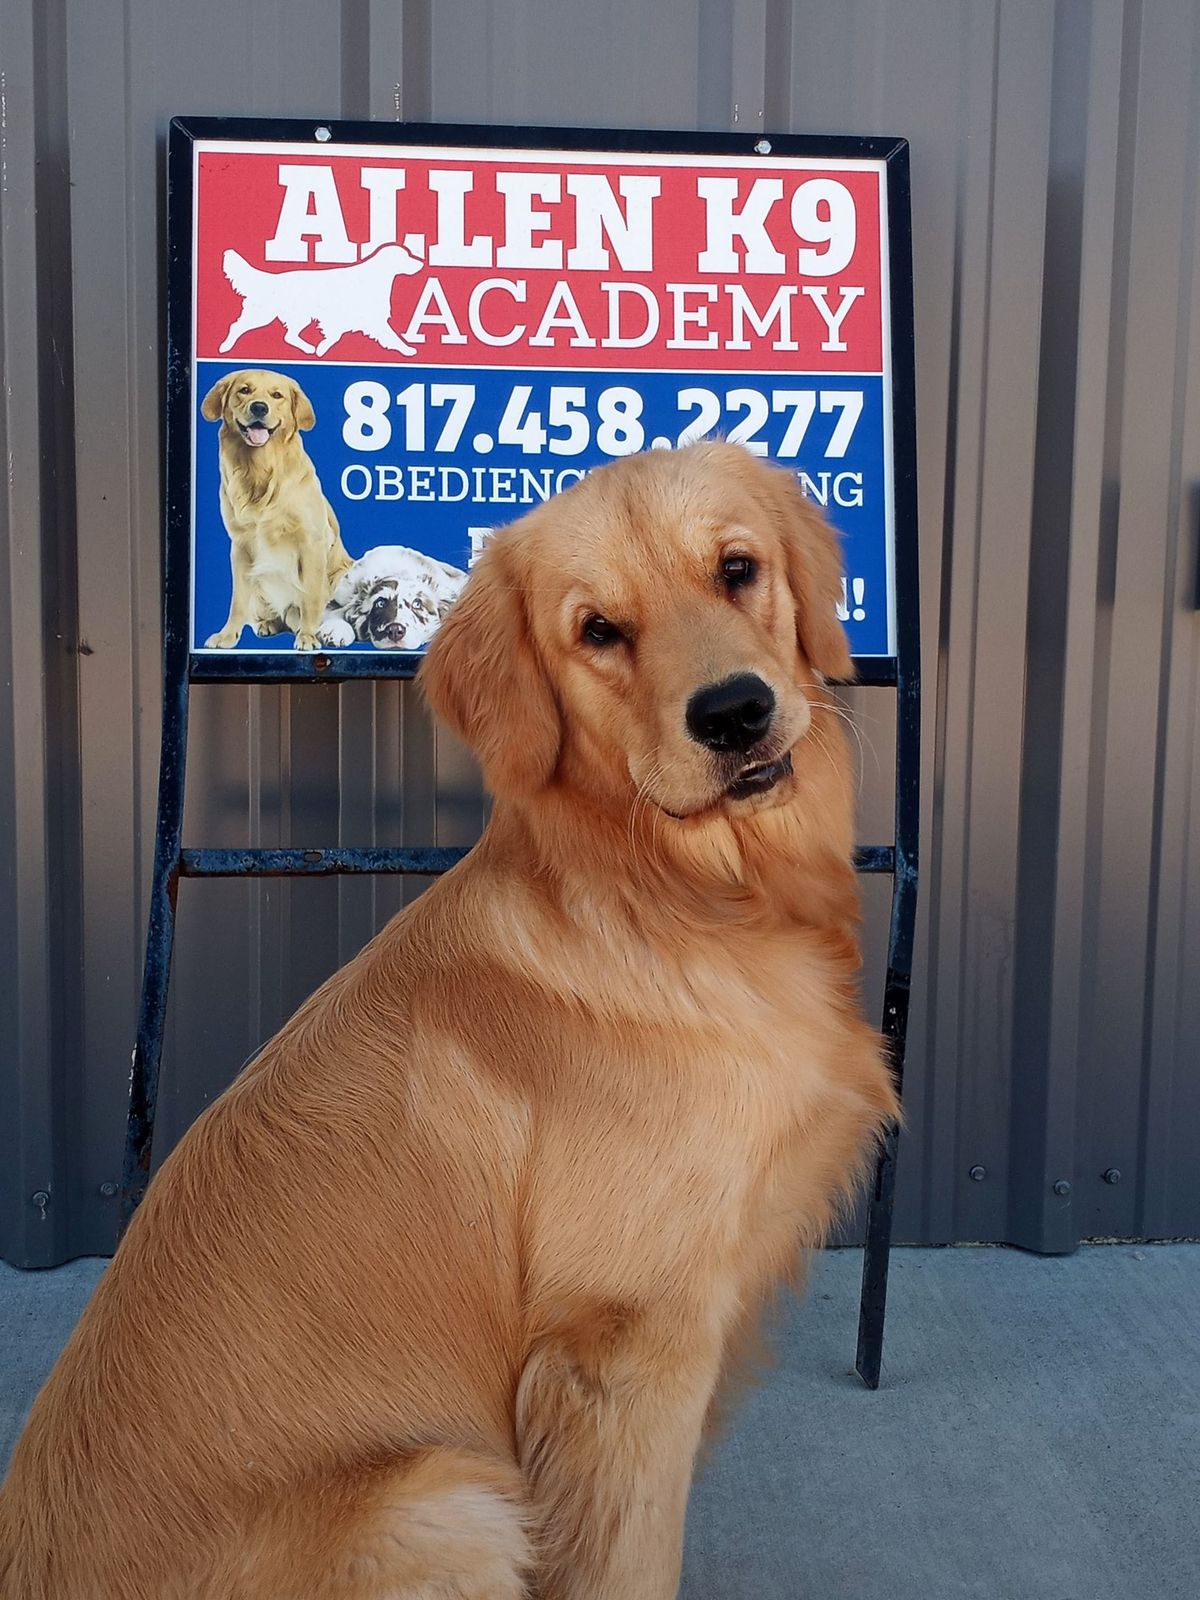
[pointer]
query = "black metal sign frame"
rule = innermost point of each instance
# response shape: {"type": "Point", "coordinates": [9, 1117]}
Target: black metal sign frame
{"type": "Point", "coordinates": [184, 666]}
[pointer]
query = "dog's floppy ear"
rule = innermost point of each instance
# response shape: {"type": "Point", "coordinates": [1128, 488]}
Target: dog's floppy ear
{"type": "Point", "coordinates": [302, 410]}
{"type": "Point", "coordinates": [213, 404]}
{"type": "Point", "coordinates": [484, 675]}
{"type": "Point", "coordinates": [814, 568]}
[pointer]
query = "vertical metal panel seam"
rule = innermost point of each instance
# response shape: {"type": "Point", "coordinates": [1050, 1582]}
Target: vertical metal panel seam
{"type": "Point", "coordinates": [958, 623]}
{"type": "Point", "coordinates": [1074, 862]}
{"type": "Point", "coordinates": [1166, 899]}
{"type": "Point", "coordinates": [1137, 569]}
{"type": "Point", "coordinates": [1012, 335]}
{"type": "Point", "coordinates": [1103, 596]}
{"type": "Point", "coordinates": [1056, 407]}
{"type": "Point", "coordinates": [37, 1152]}
{"type": "Point", "coordinates": [933, 850]}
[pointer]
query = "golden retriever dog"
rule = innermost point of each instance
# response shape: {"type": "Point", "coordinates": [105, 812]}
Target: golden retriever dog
{"type": "Point", "coordinates": [285, 547]}
{"type": "Point", "coordinates": [434, 1301]}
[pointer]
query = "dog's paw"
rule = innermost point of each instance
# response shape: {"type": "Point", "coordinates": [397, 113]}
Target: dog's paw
{"type": "Point", "coordinates": [307, 641]}
{"type": "Point", "coordinates": [225, 640]}
{"type": "Point", "coordinates": [268, 628]}
{"type": "Point", "coordinates": [335, 633]}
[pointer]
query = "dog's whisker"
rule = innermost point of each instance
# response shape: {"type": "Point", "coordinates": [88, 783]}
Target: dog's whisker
{"type": "Point", "coordinates": [852, 722]}
{"type": "Point", "coordinates": [643, 800]}
{"type": "Point", "coordinates": [815, 734]}
{"type": "Point", "coordinates": [863, 741]}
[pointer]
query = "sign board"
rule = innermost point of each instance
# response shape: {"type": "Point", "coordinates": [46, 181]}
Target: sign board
{"type": "Point", "coordinates": [396, 340]}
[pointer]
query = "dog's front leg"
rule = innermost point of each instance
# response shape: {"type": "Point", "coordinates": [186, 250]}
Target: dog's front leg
{"type": "Point", "coordinates": [609, 1420]}
{"type": "Point", "coordinates": [314, 594]}
{"type": "Point", "coordinates": [239, 603]}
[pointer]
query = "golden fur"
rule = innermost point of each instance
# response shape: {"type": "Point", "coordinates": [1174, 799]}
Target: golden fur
{"type": "Point", "coordinates": [285, 548]}
{"type": "Point", "coordinates": [433, 1303]}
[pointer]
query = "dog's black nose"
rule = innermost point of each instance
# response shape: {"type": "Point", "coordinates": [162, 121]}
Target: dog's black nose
{"type": "Point", "coordinates": [732, 715]}
{"type": "Point", "coordinates": [258, 408]}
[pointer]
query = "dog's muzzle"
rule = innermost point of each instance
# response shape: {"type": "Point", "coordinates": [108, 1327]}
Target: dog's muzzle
{"type": "Point", "coordinates": [256, 433]}
{"type": "Point", "coordinates": [759, 777]}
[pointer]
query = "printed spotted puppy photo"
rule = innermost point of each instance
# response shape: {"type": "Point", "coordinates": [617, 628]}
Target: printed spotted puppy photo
{"type": "Point", "coordinates": [290, 572]}
{"type": "Point", "coordinates": [393, 598]}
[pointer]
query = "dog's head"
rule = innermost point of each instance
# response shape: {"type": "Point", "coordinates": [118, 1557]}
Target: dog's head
{"type": "Point", "coordinates": [397, 259]}
{"type": "Point", "coordinates": [427, 610]}
{"type": "Point", "coordinates": [381, 615]}
{"type": "Point", "coordinates": [658, 631]}
{"type": "Point", "coordinates": [258, 407]}
{"type": "Point", "coordinates": [372, 613]}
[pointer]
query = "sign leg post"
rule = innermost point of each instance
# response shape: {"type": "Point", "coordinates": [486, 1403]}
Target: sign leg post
{"type": "Point", "coordinates": [160, 941]}
{"type": "Point", "coordinates": [877, 1252]}
{"type": "Point", "coordinates": [901, 936]}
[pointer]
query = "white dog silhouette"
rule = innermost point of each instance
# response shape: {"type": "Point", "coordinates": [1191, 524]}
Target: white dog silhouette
{"type": "Point", "coordinates": [353, 299]}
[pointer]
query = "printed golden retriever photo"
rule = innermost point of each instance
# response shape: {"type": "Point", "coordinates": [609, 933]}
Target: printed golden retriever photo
{"type": "Point", "coordinates": [286, 551]}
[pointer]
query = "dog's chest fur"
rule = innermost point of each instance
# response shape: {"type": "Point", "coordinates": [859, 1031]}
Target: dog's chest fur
{"type": "Point", "coordinates": [260, 498]}
{"type": "Point", "coordinates": [680, 1095]}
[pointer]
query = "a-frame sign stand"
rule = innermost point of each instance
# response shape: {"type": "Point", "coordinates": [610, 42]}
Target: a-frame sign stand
{"type": "Point", "coordinates": [185, 664]}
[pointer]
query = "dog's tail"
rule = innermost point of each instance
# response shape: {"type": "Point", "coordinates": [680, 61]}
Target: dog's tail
{"type": "Point", "coordinates": [240, 273]}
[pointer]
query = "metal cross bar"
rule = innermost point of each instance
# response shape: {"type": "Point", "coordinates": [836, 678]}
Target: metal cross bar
{"type": "Point", "coordinates": [349, 861]}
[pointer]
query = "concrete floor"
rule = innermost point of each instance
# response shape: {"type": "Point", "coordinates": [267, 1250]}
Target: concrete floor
{"type": "Point", "coordinates": [1037, 1436]}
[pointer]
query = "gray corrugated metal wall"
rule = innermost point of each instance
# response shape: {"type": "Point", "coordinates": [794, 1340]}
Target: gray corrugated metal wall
{"type": "Point", "coordinates": [1055, 154]}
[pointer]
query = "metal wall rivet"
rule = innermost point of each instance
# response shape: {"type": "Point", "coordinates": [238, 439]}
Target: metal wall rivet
{"type": "Point", "coordinates": [977, 1174]}
{"type": "Point", "coordinates": [41, 1200]}
{"type": "Point", "coordinates": [763, 147]}
{"type": "Point", "coordinates": [322, 134]}
{"type": "Point", "coordinates": [1062, 1187]}
{"type": "Point", "coordinates": [108, 1190]}
{"type": "Point", "coordinates": [1112, 1175]}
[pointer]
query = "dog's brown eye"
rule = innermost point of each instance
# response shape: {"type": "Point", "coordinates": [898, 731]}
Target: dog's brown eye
{"type": "Point", "coordinates": [245, 389]}
{"type": "Point", "coordinates": [600, 631]}
{"type": "Point", "coordinates": [737, 571]}
{"type": "Point", "coordinates": [275, 395]}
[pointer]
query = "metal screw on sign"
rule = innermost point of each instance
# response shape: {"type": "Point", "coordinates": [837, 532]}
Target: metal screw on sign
{"type": "Point", "coordinates": [977, 1174]}
{"type": "Point", "coordinates": [41, 1200]}
{"type": "Point", "coordinates": [322, 134]}
{"type": "Point", "coordinates": [763, 147]}
{"type": "Point", "coordinates": [1112, 1175]}
{"type": "Point", "coordinates": [1062, 1188]}
{"type": "Point", "coordinates": [108, 1190]}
